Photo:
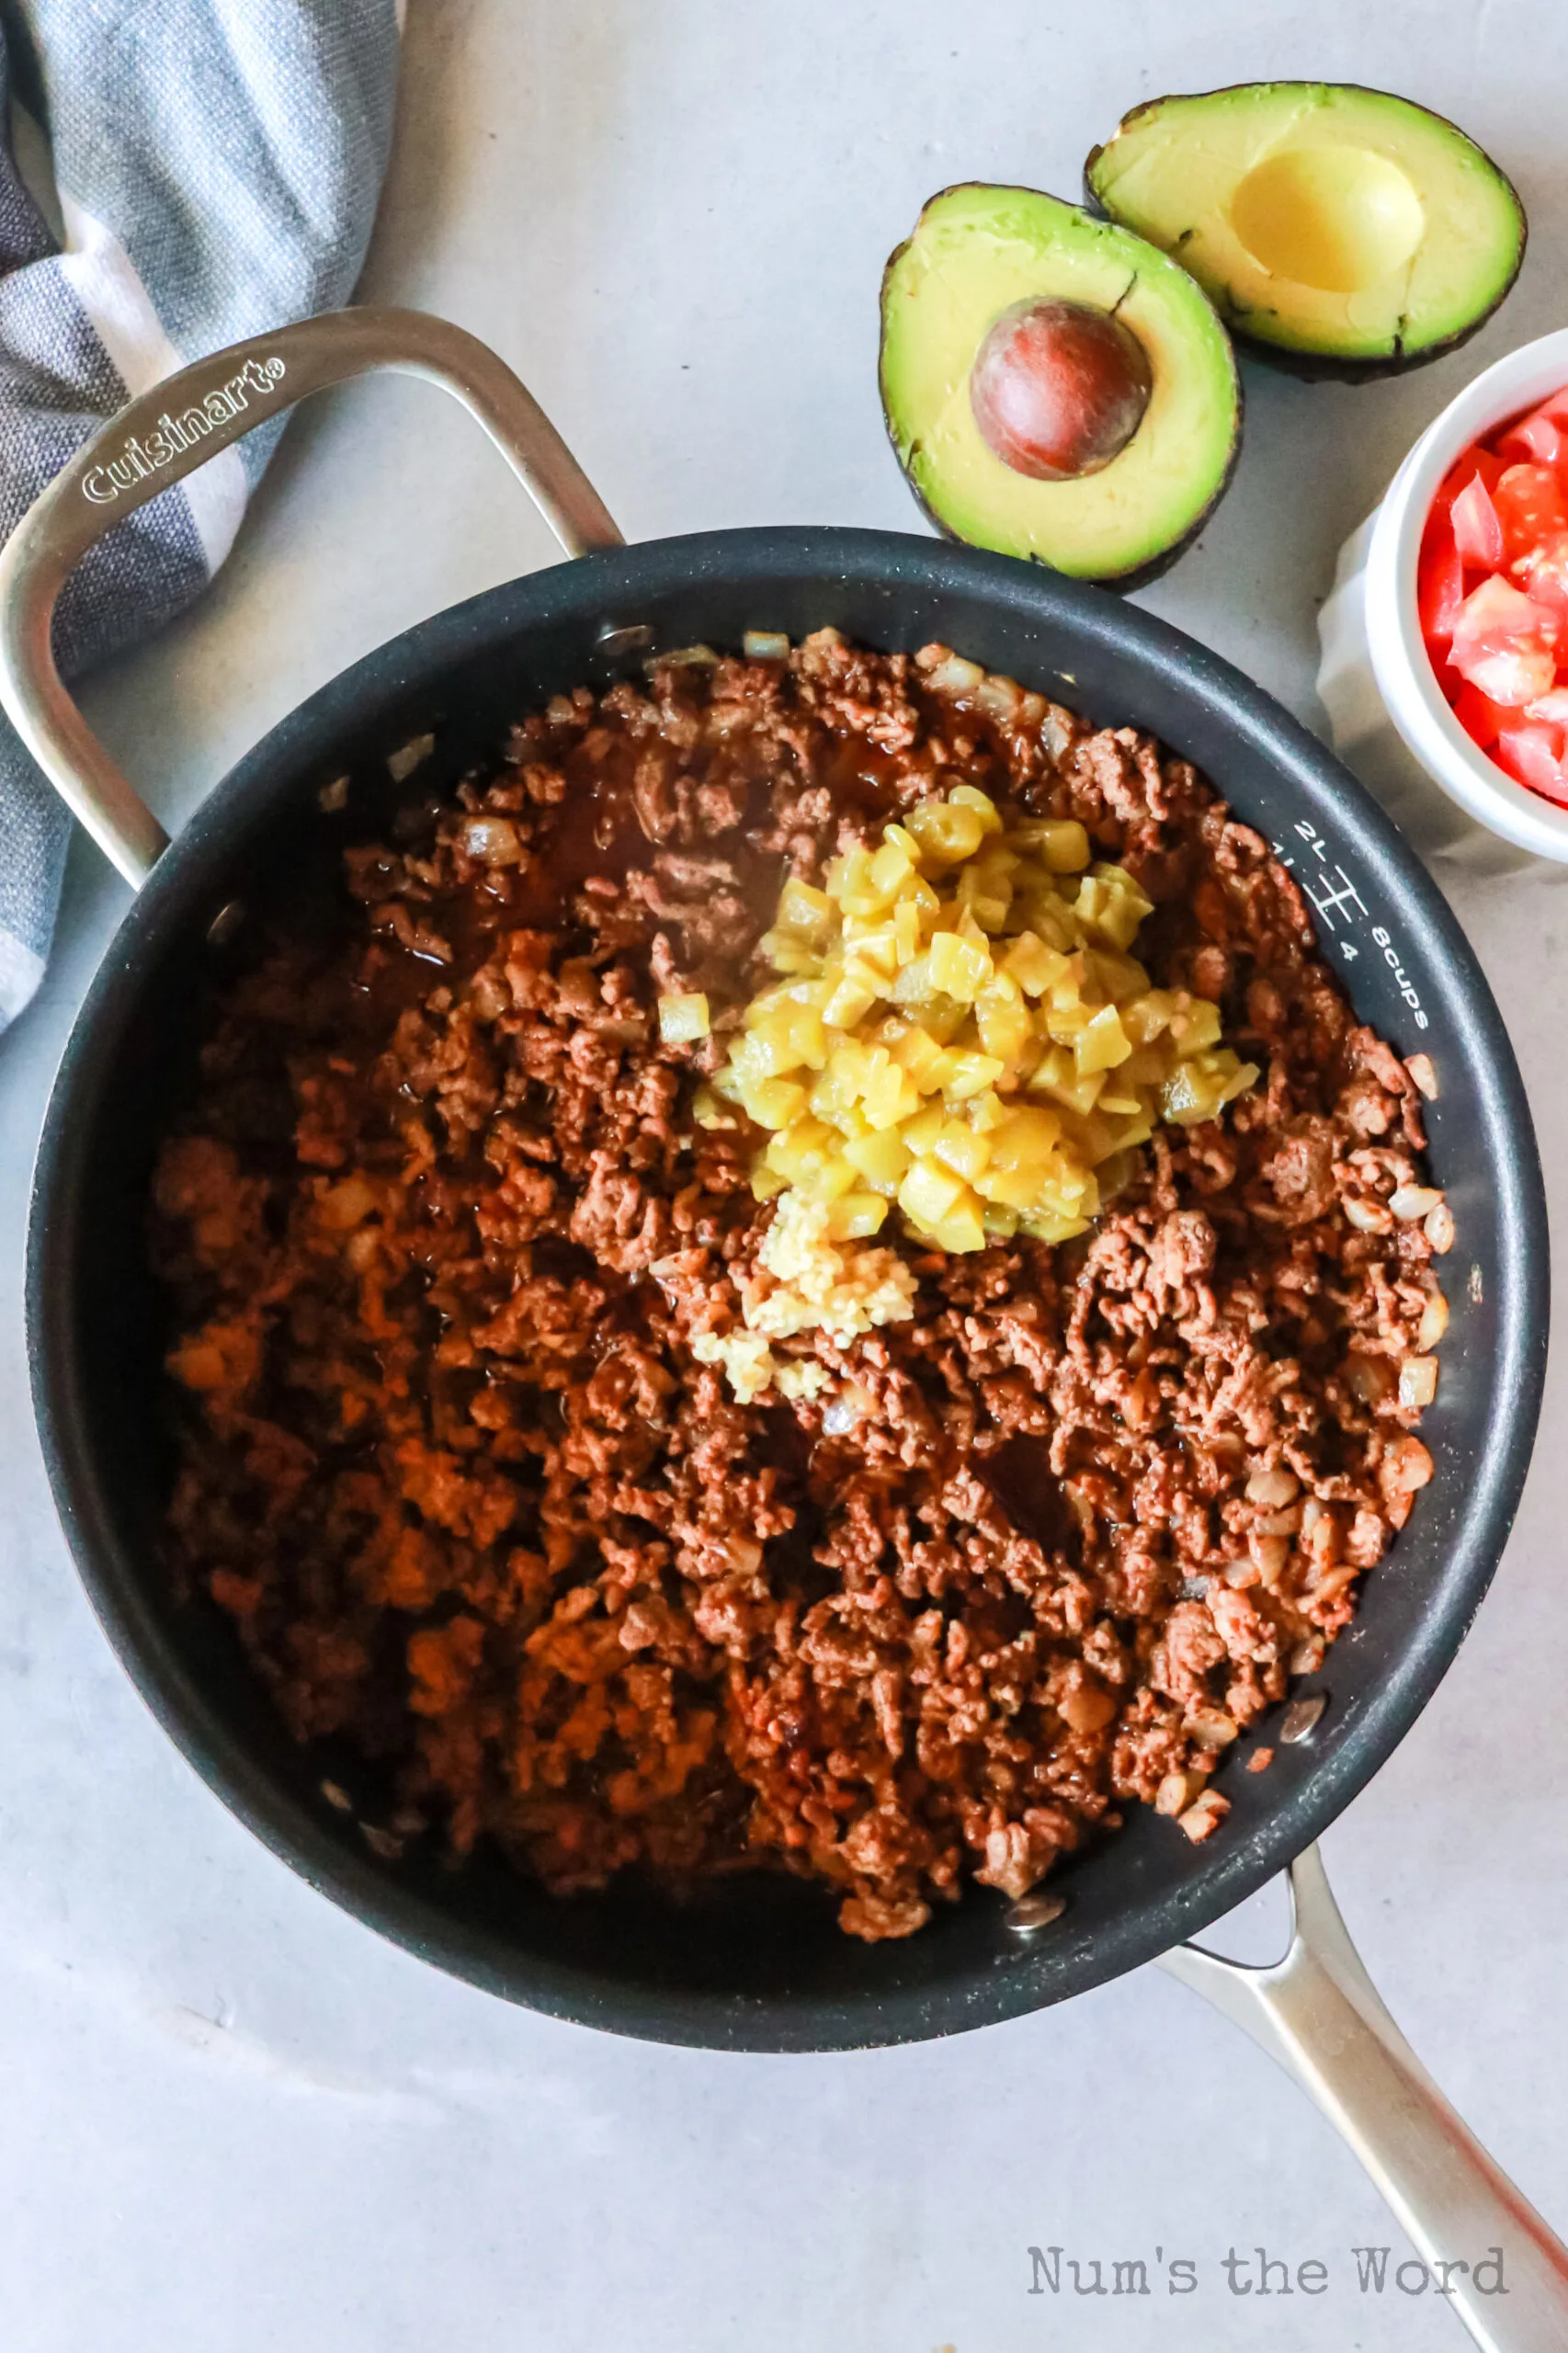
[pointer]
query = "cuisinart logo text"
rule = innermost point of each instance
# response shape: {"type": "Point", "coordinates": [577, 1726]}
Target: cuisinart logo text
{"type": "Point", "coordinates": [172, 436]}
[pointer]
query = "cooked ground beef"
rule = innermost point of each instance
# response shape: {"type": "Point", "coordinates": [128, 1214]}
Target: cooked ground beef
{"type": "Point", "coordinates": [439, 1234]}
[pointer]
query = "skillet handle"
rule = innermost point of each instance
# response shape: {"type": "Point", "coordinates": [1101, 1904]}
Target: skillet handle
{"type": "Point", "coordinates": [178, 426]}
{"type": "Point", "coordinates": [1318, 2013]}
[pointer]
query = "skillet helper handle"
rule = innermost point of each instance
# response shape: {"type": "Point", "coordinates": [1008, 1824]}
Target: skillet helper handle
{"type": "Point", "coordinates": [178, 426]}
{"type": "Point", "coordinates": [1318, 2013]}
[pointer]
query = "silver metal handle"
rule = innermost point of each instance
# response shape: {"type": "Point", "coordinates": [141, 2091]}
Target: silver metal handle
{"type": "Point", "coordinates": [178, 426]}
{"type": "Point", "coordinates": [1318, 2013]}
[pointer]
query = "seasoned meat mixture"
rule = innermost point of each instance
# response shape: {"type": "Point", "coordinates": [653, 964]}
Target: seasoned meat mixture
{"type": "Point", "coordinates": [440, 1234]}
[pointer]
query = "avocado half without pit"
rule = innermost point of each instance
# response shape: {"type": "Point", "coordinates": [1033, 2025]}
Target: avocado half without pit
{"type": "Point", "coordinates": [1055, 387]}
{"type": "Point", "coordinates": [1341, 230]}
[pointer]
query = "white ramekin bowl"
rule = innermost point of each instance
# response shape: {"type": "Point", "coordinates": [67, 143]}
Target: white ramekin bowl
{"type": "Point", "coordinates": [1386, 710]}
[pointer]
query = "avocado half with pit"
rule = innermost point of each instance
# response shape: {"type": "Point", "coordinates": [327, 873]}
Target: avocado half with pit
{"type": "Point", "coordinates": [1054, 387]}
{"type": "Point", "coordinates": [1346, 231]}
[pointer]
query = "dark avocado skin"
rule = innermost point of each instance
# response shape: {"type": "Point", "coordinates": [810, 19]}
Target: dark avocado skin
{"type": "Point", "coordinates": [1319, 367]}
{"type": "Point", "coordinates": [1123, 582]}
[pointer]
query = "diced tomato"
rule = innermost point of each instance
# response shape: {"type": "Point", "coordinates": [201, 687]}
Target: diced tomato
{"type": "Point", "coordinates": [1482, 719]}
{"type": "Point", "coordinates": [1503, 643]}
{"type": "Point", "coordinates": [1553, 410]}
{"type": "Point", "coordinates": [1511, 674]}
{"type": "Point", "coordinates": [1439, 590]}
{"type": "Point", "coordinates": [1529, 504]}
{"type": "Point", "coordinates": [1533, 753]}
{"type": "Point", "coordinates": [1475, 461]}
{"type": "Point", "coordinates": [1539, 436]}
{"type": "Point", "coordinates": [1546, 571]}
{"type": "Point", "coordinates": [1497, 608]}
{"type": "Point", "coordinates": [1499, 523]}
{"type": "Point", "coordinates": [1478, 532]}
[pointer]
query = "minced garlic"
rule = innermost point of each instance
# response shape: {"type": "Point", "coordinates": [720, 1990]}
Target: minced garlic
{"type": "Point", "coordinates": [812, 1284]}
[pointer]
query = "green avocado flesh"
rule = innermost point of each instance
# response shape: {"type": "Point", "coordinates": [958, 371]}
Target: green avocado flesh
{"type": "Point", "coordinates": [976, 251]}
{"type": "Point", "coordinates": [1321, 218]}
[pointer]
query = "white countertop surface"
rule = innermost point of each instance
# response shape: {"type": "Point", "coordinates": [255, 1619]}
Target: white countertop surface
{"type": "Point", "coordinates": [234, 2118]}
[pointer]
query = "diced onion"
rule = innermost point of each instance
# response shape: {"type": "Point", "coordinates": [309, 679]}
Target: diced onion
{"type": "Point", "coordinates": [494, 841]}
{"type": "Point", "coordinates": [684, 657]}
{"type": "Point", "coordinates": [1439, 1228]}
{"type": "Point", "coordinates": [402, 762]}
{"type": "Point", "coordinates": [1273, 1488]}
{"type": "Point", "coordinates": [998, 698]}
{"type": "Point", "coordinates": [1433, 1322]}
{"type": "Point", "coordinates": [1370, 1378]}
{"type": "Point", "coordinates": [1271, 1554]}
{"type": "Point", "coordinates": [1204, 1816]}
{"type": "Point", "coordinates": [954, 675]}
{"type": "Point", "coordinates": [1174, 1791]}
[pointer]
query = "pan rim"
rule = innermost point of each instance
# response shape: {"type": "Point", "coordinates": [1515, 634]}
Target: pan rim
{"type": "Point", "coordinates": [609, 582]}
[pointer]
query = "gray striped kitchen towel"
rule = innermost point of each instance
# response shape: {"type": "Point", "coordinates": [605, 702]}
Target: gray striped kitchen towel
{"type": "Point", "coordinates": [174, 174]}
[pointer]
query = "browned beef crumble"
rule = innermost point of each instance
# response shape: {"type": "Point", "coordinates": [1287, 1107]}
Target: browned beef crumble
{"type": "Point", "coordinates": [439, 1232]}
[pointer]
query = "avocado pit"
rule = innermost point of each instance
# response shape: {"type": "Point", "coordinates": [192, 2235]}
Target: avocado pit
{"type": "Point", "coordinates": [1058, 389]}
